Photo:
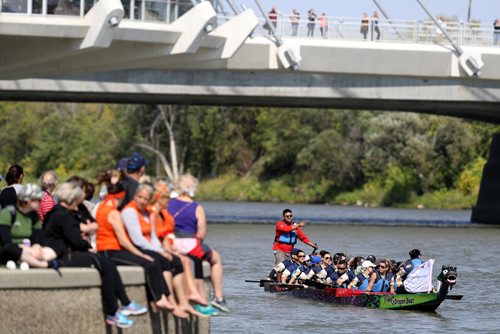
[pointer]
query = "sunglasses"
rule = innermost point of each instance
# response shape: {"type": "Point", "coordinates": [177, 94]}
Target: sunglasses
{"type": "Point", "coordinates": [288, 216]}
{"type": "Point", "coordinates": [383, 267]}
{"type": "Point", "coordinates": [327, 258]}
{"type": "Point", "coordinates": [338, 268]}
{"type": "Point", "coordinates": [302, 256]}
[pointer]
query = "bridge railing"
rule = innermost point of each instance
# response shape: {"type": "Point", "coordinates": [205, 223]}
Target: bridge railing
{"type": "Point", "coordinates": [406, 31]}
{"type": "Point", "coordinates": [145, 10]}
{"type": "Point", "coordinates": [401, 31]}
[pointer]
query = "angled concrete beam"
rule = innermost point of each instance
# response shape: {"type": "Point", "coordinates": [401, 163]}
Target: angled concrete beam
{"type": "Point", "coordinates": [195, 24]}
{"type": "Point", "coordinates": [147, 32]}
{"type": "Point", "coordinates": [231, 35]}
{"type": "Point", "coordinates": [103, 20]}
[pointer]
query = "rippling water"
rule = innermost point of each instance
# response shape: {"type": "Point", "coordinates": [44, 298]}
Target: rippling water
{"type": "Point", "coordinates": [247, 254]}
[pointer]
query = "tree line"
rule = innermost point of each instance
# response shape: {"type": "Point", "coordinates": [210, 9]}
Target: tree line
{"type": "Point", "coordinates": [269, 154]}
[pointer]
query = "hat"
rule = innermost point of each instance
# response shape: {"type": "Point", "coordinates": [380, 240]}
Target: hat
{"type": "Point", "coordinates": [315, 259]}
{"type": "Point", "coordinates": [295, 251]}
{"type": "Point", "coordinates": [135, 162]}
{"type": "Point", "coordinates": [307, 258]}
{"type": "Point", "coordinates": [30, 191]}
{"type": "Point", "coordinates": [367, 264]}
{"type": "Point", "coordinates": [122, 164]}
{"type": "Point", "coordinates": [371, 258]}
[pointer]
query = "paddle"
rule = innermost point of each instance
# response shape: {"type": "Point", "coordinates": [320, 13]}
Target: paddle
{"type": "Point", "coordinates": [317, 284]}
{"type": "Point", "coordinates": [261, 282]}
{"type": "Point", "coordinates": [275, 287]}
{"type": "Point", "coordinates": [454, 297]}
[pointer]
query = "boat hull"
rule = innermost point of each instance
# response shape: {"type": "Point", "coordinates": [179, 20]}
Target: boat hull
{"type": "Point", "coordinates": [418, 301]}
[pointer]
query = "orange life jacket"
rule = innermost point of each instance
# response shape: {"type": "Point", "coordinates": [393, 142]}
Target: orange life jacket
{"type": "Point", "coordinates": [146, 227]}
{"type": "Point", "coordinates": [164, 223]}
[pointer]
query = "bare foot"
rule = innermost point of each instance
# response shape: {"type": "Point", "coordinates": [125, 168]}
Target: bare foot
{"type": "Point", "coordinates": [179, 313]}
{"type": "Point", "coordinates": [189, 309]}
{"type": "Point", "coordinates": [196, 298]}
{"type": "Point", "coordinates": [164, 304]}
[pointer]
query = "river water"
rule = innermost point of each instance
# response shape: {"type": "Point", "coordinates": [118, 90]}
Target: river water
{"type": "Point", "coordinates": [446, 236]}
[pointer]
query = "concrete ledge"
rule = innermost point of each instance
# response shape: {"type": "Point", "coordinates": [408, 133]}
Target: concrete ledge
{"type": "Point", "coordinates": [70, 277]}
{"type": "Point", "coordinates": [42, 301]}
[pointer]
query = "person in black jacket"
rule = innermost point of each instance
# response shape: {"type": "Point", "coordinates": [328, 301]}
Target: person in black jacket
{"type": "Point", "coordinates": [14, 178]}
{"type": "Point", "coordinates": [63, 232]}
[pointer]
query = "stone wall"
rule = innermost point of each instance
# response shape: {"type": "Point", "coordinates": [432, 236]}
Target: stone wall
{"type": "Point", "coordinates": [41, 301]}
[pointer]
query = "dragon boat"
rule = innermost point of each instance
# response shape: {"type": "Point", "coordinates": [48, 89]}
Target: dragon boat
{"type": "Point", "coordinates": [401, 301]}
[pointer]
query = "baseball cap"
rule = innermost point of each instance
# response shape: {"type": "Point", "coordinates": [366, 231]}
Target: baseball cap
{"type": "Point", "coordinates": [30, 191]}
{"type": "Point", "coordinates": [367, 263]}
{"type": "Point", "coordinates": [122, 164]}
{"type": "Point", "coordinates": [295, 251]}
{"type": "Point", "coordinates": [135, 162]}
{"type": "Point", "coordinates": [315, 259]}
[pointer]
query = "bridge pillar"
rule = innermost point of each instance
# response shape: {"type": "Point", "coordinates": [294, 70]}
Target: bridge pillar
{"type": "Point", "coordinates": [487, 210]}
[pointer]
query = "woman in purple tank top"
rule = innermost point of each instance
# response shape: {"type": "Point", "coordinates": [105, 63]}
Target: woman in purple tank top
{"type": "Point", "coordinates": [190, 222]}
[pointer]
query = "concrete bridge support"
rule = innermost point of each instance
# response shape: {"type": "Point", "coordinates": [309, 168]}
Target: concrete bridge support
{"type": "Point", "coordinates": [487, 210]}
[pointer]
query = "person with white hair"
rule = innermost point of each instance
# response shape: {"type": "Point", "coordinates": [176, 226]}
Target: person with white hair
{"type": "Point", "coordinates": [191, 225]}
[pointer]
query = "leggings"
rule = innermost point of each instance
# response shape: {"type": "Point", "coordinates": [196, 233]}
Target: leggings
{"type": "Point", "coordinates": [155, 283]}
{"type": "Point", "coordinates": [111, 287]}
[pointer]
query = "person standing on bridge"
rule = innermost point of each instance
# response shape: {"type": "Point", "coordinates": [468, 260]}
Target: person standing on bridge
{"type": "Point", "coordinates": [365, 21]}
{"type": "Point", "coordinates": [287, 233]}
{"type": "Point", "coordinates": [375, 27]}
{"type": "Point", "coordinates": [295, 19]}
{"type": "Point", "coordinates": [496, 32]}
{"type": "Point", "coordinates": [439, 32]}
{"type": "Point", "coordinates": [273, 17]}
{"type": "Point", "coordinates": [323, 25]}
{"type": "Point", "coordinates": [311, 18]}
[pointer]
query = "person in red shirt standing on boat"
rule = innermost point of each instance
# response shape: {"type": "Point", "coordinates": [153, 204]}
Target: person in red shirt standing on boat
{"type": "Point", "coordinates": [287, 233]}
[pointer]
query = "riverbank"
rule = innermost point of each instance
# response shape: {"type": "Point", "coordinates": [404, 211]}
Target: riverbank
{"type": "Point", "coordinates": [250, 189]}
{"type": "Point", "coordinates": [322, 214]}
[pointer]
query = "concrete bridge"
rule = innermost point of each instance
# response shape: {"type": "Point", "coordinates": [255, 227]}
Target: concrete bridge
{"type": "Point", "coordinates": [200, 59]}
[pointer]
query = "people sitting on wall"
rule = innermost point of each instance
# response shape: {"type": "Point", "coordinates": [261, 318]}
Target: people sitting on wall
{"type": "Point", "coordinates": [62, 233]}
{"type": "Point", "coordinates": [114, 243]}
{"type": "Point", "coordinates": [140, 227]}
{"type": "Point", "coordinates": [164, 228]}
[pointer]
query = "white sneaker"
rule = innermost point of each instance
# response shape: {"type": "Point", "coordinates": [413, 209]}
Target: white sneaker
{"type": "Point", "coordinates": [11, 265]}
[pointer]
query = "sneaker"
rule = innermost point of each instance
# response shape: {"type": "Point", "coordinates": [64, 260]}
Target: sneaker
{"type": "Point", "coordinates": [132, 309]}
{"type": "Point", "coordinates": [220, 304]}
{"type": "Point", "coordinates": [119, 320]}
{"type": "Point", "coordinates": [11, 265]}
{"type": "Point", "coordinates": [209, 310]}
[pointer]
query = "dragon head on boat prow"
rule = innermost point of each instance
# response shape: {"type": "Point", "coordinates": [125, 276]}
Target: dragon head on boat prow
{"type": "Point", "coordinates": [448, 275]}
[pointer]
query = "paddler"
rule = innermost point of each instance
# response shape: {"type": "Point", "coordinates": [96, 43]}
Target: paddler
{"type": "Point", "coordinates": [287, 233]}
